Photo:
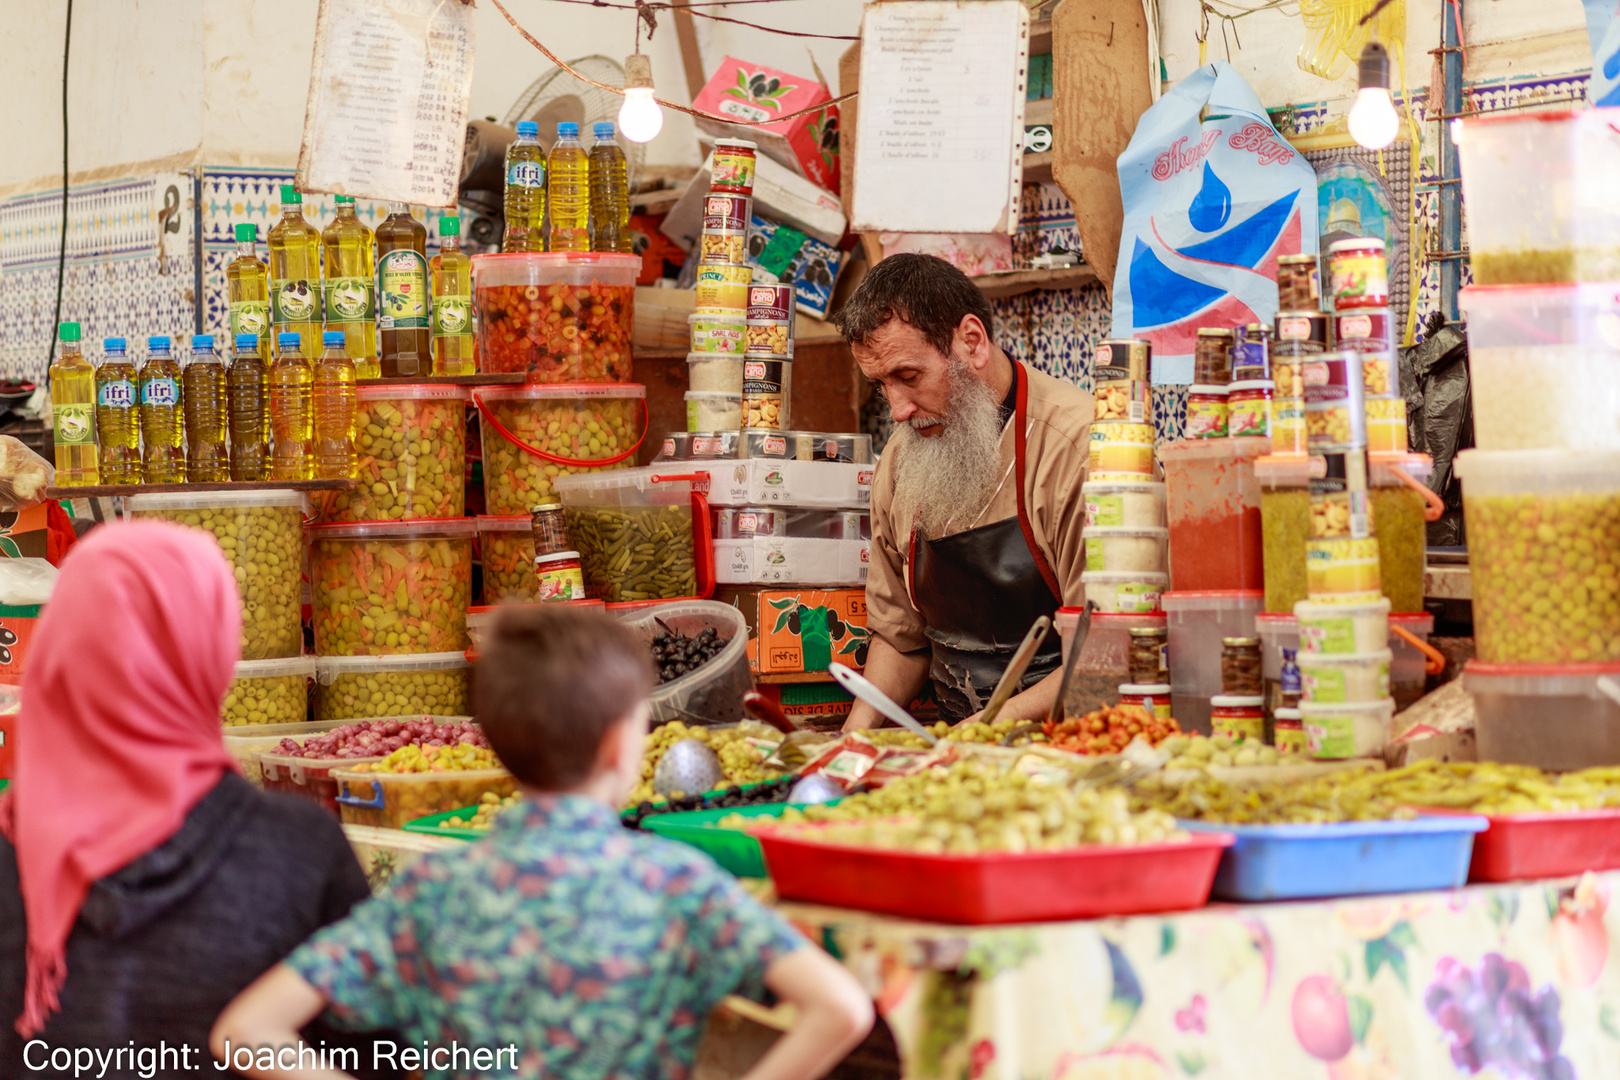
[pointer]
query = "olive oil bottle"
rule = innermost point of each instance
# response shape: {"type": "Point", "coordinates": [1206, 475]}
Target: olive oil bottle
{"type": "Point", "coordinates": [248, 391]}
{"type": "Point", "coordinates": [404, 340]}
{"type": "Point", "coordinates": [568, 191]}
{"type": "Point", "coordinates": [247, 283]}
{"type": "Point", "coordinates": [350, 289]}
{"type": "Point", "coordinates": [452, 303]}
{"type": "Point", "coordinates": [118, 425]}
{"type": "Point", "coordinates": [203, 390]}
{"type": "Point", "coordinates": [292, 419]}
{"type": "Point", "coordinates": [163, 428]}
{"type": "Point", "coordinates": [73, 412]}
{"type": "Point", "coordinates": [334, 412]}
{"type": "Point", "coordinates": [295, 271]}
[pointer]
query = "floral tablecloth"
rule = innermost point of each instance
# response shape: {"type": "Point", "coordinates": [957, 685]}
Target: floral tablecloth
{"type": "Point", "coordinates": [1502, 982]}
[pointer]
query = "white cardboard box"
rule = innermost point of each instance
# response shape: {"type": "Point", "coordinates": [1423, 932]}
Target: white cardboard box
{"type": "Point", "coordinates": [777, 482]}
{"type": "Point", "coordinates": [790, 560]}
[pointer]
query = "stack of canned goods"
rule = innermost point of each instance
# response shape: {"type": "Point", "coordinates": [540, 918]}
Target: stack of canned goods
{"type": "Point", "coordinates": [1364, 322]}
{"type": "Point", "coordinates": [718, 327]}
{"type": "Point", "coordinates": [1123, 380]}
{"type": "Point", "coordinates": [1208, 399]}
{"type": "Point", "coordinates": [768, 357]}
{"type": "Point", "coordinates": [1341, 556]}
{"type": "Point", "coordinates": [1299, 336]}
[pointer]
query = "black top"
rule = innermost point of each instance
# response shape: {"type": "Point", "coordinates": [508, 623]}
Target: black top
{"type": "Point", "coordinates": [1009, 404]}
{"type": "Point", "coordinates": [163, 945]}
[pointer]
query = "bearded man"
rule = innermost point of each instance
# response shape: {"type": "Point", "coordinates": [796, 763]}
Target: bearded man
{"type": "Point", "coordinates": [976, 503]}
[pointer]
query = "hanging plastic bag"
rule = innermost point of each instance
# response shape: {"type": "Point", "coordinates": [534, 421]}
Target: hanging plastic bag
{"type": "Point", "coordinates": [1209, 206]}
{"type": "Point", "coordinates": [1604, 29]}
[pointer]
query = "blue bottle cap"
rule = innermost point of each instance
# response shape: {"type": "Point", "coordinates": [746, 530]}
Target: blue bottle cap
{"type": "Point", "coordinates": [202, 341]}
{"type": "Point", "coordinates": [566, 129]}
{"type": "Point", "coordinates": [529, 128]}
{"type": "Point", "coordinates": [250, 342]}
{"type": "Point", "coordinates": [157, 341]}
{"type": "Point", "coordinates": [113, 344]}
{"type": "Point", "coordinates": [603, 129]}
{"type": "Point", "coordinates": [334, 339]}
{"type": "Point", "coordinates": [290, 341]}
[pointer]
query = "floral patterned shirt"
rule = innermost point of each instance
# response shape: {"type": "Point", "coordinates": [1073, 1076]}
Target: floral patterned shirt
{"type": "Point", "coordinates": [597, 951]}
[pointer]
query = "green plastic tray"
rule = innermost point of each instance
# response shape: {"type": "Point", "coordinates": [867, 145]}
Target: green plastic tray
{"type": "Point", "coordinates": [434, 825]}
{"type": "Point", "coordinates": [707, 796]}
{"type": "Point", "coordinates": [733, 850]}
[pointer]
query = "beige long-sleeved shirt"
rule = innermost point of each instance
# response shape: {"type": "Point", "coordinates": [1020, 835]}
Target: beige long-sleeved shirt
{"type": "Point", "coordinates": [1057, 449]}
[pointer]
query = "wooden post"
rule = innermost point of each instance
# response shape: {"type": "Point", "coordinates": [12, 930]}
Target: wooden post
{"type": "Point", "coordinates": [691, 56]}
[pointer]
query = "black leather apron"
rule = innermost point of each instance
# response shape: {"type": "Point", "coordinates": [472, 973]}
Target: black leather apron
{"type": "Point", "coordinates": [979, 592]}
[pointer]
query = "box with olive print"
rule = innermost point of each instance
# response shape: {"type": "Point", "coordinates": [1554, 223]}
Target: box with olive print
{"type": "Point", "coordinates": [794, 630]}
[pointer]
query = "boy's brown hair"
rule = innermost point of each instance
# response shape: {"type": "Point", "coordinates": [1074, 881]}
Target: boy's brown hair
{"type": "Point", "coordinates": [551, 682]}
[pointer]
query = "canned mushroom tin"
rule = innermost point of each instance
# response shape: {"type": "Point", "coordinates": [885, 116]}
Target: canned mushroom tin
{"type": "Point", "coordinates": [1122, 377]}
{"type": "Point", "coordinates": [1335, 416]}
{"type": "Point", "coordinates": [1366, 329]}
{"type": "Point", "coordinates": [1299, 333]}
{"type": "Point", "coordinates": [769, 327]}
{"type": "Point", "coordinates": [767, 386]}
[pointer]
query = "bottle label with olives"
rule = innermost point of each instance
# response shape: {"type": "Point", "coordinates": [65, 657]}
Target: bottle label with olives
{"type": "Point", "coordinates": [452, 316]}
{"type": "Point", "coordinates": [249, 317]}
{"type": "Point", "coordinates": [75, 424]}
{"type": "Point", "coordinates": [295, 301]}
{"type": "Point", "coordinates": [350, 299]}
{"type": "Point", "coordinates": [402, 291]}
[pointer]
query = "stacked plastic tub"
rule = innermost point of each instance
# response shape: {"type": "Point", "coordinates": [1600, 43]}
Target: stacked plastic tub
{"type": "Point", "coordinates": [1541, 493]}
{"type": "Point", "coordinates": [1127, 542]}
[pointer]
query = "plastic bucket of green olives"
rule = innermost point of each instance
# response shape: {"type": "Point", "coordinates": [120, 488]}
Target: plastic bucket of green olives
{"type": "Point", "coordinates": [641, 534]}
{"type": "Point", "coordinates": [363, 687]}
{"type": "Point", "coordinates": [713, 693]}
{"type": "Point", "coordinates": [385, 588]}
{"type": "Point", "coordinates": [269, 692]}
{"type": "Point", "coordinates": [1543, 554]}
{"type": "Point", "coordinates": [261, 534]}
{"type": "Point", "coordinates": [506, 548]}
{"type": "Point", "coordinates": [534, 434]}
{"type": "Point", "coordinates": [411, 448]}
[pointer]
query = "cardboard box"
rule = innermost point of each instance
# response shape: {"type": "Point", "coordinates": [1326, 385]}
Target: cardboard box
{"type": "Point", "coordinates": [793, 630]}
{"type": "Point", "coordinates": [812, 264]}
{"type": "Point", "coordinates": [791, 560]}
{"type": "Point", "coordinates": [777, 482]}
{"type": "Point", "coordinates": [807, 144]}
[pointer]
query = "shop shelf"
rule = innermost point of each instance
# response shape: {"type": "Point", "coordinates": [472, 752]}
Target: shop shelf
{"type": "Point", "coordinates": [1350, 858]}
{"type": "Point", "coordinates": [1086, 882]}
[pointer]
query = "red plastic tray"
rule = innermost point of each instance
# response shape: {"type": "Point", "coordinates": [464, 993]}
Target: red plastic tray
{"type": "Point", "coordinates": [1037, 886]}
{"type": "Point", "coordinates": [1563, 843]}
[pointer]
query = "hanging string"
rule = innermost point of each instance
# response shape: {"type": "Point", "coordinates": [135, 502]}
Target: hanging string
{"type": "Point", "coordinates": [555, 59]}
{"type": "Point", "coordinates": [694, 9]}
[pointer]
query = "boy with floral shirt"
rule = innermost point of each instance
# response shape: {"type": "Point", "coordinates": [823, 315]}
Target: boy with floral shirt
{"type": "Point", "coordinates": [563, 945]}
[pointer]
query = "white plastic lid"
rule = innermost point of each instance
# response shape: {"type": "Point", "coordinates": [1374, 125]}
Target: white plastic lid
{"type": "Point", "coordinates": [413, 392]}
{"type": "Point", "coordinates": [1246, 385]}
{"type": "Point", "coordinates": [558, 556]}
{"type": "Point", "coordinates": [1157, 532]}
{"type": "Point", "coordinates": [1355, 244]}
{"type": "Point", "coordinates": [740, 144]}
{"type": "Point", "coordinates": [717, 316]}
{"type": "Point", "coordinates": [270, 669]}
{"type": "Point", "coordinates": [1538, 472]}
{"type": "Point", "coordinates": [1380, 466]}
{"type": "Point", "coordinates": [1208, 390]}
{"type": "Point", "coordinates": [1109, 487]}
{"type": "Point", "coordinates": [328, 668]}
{"type": "Point", "coordinates": [1281, 715]}
{"type": "Point", "coordinates": [562, 390]}
{"type": "Point", "coordinates": [208, 500]}
{"type": "Point", "coordinates": [409, 529]}
{"type": "Point", "coordinates": [517, 523]}
{"type": "Point", "coordinates": [710, 395]}
{"type": "Point", "coordinates": [1310, 609]}
{"type": "Point", "coordinates": [1143, 689]}
{"type": "Point", "coordinates": [1276, 622]}
{"type": "Point", "coordinates": [648, 476]}
{"type": "Point", "coordinates": [1288, 470]}
{"type": "Point", "coordinates": [1231, 448]}
{"type": "Point", "coordinates": [1308, 709]}
{"type": "Point", "coordinates": [710, 357]}
{"type": "Point", "coordinates": [1316, 660]}
{"type": "Point", "coordinates": [1123, 577]}
{"type": "Point", "coordinates": [1236, 701]}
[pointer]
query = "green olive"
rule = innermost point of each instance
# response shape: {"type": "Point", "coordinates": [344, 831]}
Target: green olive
{"type": "Point", "coordinates": [412, 461]}
{"type": "Point", "coordinates": [272, 699]}
{"type": "Point", "coordinates": [393, 693]}
{"type": "Point", "coordinates": [514, 479]}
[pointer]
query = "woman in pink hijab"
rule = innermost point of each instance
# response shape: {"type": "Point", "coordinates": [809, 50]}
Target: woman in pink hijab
{"type": "Point", "coordinates": [143, 882]}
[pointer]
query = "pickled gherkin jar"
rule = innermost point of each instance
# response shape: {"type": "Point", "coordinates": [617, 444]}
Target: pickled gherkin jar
{"type": "Point", "coordinates": [261, 535]}
{"type": "Point", "coordinates": [638, 536]}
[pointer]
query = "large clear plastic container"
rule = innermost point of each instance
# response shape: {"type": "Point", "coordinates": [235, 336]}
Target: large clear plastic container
{"type": "Point", "coordinates": [561, 316]}
{"type": "Point", "coordinates": [506, 547]}
{"type": "Point", "coordinates": [1403, 536]}
{"type": "Point", "coordinates": [1544, 554]}
{"type": "Point", "coordinates": [1551, 716]}
{"type": "Point", "coordinates": [1285, 522]}
{"type": "Point", "coordinates": [641, 534]}
{"type": "Point", "coordinates": [1214, 510]}
{"type": "Point", "coordinates": [1408, 674]}
{"type": "Point", "coordinates": [261, 534]}
{"type": "Point", "coordinates": [247, 743]}
{"type": "Point", "coordinates": [411, 449]}
{"type": "Point", "coordinates": [389, 800]}
{"type": "Point", "coordinates": [365, 687]}
{"type": "Point", "coordinates": [1198, 620]}
{"type": "Point", "coordinates": [1104, 661]}
{"type": "Point", "coordinates": [713, 693]}
{"type": "Point", "coordinates": [268, 692]}
{"type": "Point", "coordinates": [311, 777]}
{"type": "Point", "coordinates": [1544, 366]}
{"type": "Point", "coordinates": [1540, 193]}
{"type": "Point", "coordinates": [534, 434]}
{"type": "Point", "coordinates": [384, 588]}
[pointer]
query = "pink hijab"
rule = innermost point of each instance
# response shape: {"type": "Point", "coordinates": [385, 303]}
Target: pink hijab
{"type": "Point", "coordinates": [119, 732]}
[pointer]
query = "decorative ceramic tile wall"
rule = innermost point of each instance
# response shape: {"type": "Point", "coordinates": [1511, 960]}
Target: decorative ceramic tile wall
{"type": "Point", "coordinates": [124, 277]}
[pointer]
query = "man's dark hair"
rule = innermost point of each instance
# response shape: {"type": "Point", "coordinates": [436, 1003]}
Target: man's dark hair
{"type": "Point", "coordinates": [922, 291]}
{"type": "Point", "coordinates": [551, 682]}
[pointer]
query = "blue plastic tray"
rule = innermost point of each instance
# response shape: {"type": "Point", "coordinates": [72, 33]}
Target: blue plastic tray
{"type": "Point", "coordinates": [1352, 858]}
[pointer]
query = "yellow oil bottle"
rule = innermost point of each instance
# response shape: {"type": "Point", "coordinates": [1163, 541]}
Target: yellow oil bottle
{"type": "Point", "coordinates": [404, 309]}
{"type": "Point", "coordinates": [524, 204]}
{"type": "Point", "coordinates": [292, 423]}
{"type": "Point", "coordinates": [568, 191]}
{"type": "Point", "coordinates": [335, 407]}
{"type": "Point", "coordinates": [295, 271]}
{"type": "Point", "coordinates": [163, 428]}
{"type": "Point", "coordinates": [202, 386]}
{"type": "Point", "coordinates": [610, 193]}
{"type": "Point", "coordinates": [247, 386]}
{"type": "Point", "coordinates": [247, 284]}
{"type": "Point", "coordinates": [452, 303]}
{"type": "Point", "coordinates": [350, 288]}
{"type": "Point", "coordinates": [118, 424]}
{"type": "Point", "coordinates": [73, 412]}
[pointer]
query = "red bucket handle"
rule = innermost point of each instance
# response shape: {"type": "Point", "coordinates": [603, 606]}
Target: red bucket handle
{"type": "Point", "coordinates": [555, 459]}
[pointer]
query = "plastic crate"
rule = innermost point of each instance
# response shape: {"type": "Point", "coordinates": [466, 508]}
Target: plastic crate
{"type": "Point", "coordinates": [1087, 882]}
{"type": "Point", "coordinates": [735, 851]}
{"type": "Point", "coordinates": [1521, 847]}
{"type": "Point", "coordinates": [1350, 858]}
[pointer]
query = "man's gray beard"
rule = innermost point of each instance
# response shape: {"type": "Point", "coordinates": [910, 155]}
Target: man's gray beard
{"type": "Point", "coordinates": [951, 476]}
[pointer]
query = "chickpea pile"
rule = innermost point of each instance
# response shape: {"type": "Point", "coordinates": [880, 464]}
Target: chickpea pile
{"type": "Point", "coordinates": [1378, 375]}
{"type": "Point", "coordinates": [1330, 515]}
{"type": "Point", "coordinates": [1328, 424]}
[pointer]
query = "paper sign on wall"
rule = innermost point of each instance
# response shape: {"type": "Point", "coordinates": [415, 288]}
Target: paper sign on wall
{"type": "Point", "coordinates": [939, 147]}
{"type": "Point", "coordinates": [387, 112]}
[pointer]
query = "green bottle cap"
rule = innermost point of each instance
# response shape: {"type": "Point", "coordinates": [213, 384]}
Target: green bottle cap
{"type": "Point", "coordinates": [69, 331]}
{"type": "Point", "coordinates": [450, 225]}
{"type": "Point", "coordinates": [247, 232]}
{"type": "Point", "coordinates": [343, 199]}
{"type": "Point", "coordinates": [289, 194]}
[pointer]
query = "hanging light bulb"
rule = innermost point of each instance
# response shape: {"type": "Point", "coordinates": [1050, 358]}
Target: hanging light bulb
{"type": "Point", "coordinates": [1373, 119]}
{"type": "Point", "coordinates": [640, 117]}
